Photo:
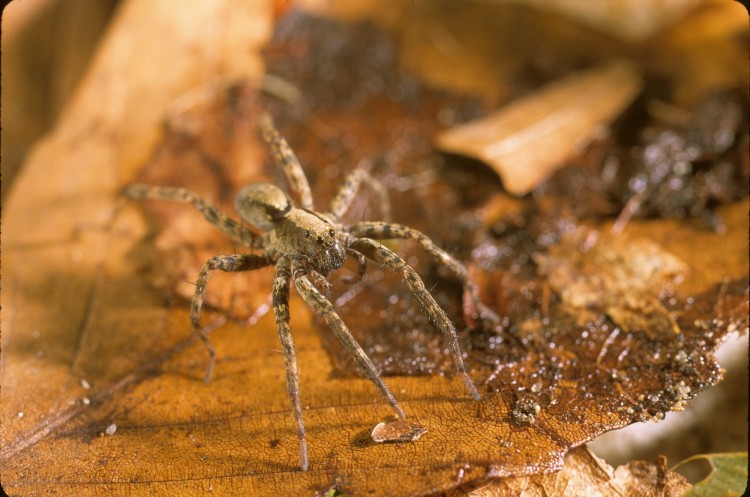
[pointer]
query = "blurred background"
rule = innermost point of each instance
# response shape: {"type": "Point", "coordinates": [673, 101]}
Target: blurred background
{"type": "Point", "coordinates": [46, 46]}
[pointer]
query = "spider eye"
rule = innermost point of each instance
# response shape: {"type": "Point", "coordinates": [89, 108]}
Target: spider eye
{"type": "Point", "coordinates": [331, 232]}
{"type": "Point", "coordinates": [307, 234]}
{"type": "Point", "coordinates": [320, 240]}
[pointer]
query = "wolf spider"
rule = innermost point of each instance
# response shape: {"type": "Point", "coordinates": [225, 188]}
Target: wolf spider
{"type": "Point", "coordinates": [306, 246]}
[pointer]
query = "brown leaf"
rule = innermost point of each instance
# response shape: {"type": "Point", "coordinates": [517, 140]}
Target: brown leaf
{"type": "Point", "coordinates": [101, 378]}
{"type": "Point", "coordinates": [704, 51]}
{"type": "Point", "coordinates": [627, 19]}
{"type": "Point", "coordinates": [527, 140]}
{"type": "Point", "coordinates": [619, 275]}
{"type": "Point", "coordinates": [649, 479]}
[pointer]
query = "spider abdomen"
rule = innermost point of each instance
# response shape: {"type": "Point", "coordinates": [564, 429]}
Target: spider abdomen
{"type": "Point", "coordinates": [262, 205]}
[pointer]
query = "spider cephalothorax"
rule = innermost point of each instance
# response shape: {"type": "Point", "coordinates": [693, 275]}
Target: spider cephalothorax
{"type": "Point", "coordinates": [295, 233]}
{"type": "Point", "coordinates": [306, 246]}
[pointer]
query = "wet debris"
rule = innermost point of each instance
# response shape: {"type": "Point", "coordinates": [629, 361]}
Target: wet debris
{"type": "Point", "coordinates": [401, 430]}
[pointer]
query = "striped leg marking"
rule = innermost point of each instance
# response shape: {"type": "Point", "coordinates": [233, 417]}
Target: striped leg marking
{"type": "Point", "coordinates": [349, 189]}
{"type": "Point", "coordinates": [228, 263]}
{"type": "Point", "coordinates": [384, 231]}
{"type": "Point", "coordinates": [392, 261]}
{"type": "Point", "coordinates": [284, 157]}
{"type": "Point", "coordinates": [234, 230]}
{"type": "Point", "coordinates": [323, 308]}
{"type": "Point", "coordinates": [281, 312]}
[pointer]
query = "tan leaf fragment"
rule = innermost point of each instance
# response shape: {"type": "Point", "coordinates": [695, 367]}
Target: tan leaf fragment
{"type": "Point", "coordinates": [620, 275]}
{"type": "Point", "coordinates": [526, 141]}
{"type": "Point", "coordinates": [586, 474]}
{"type": "Point", "coordinates": [649, 479]}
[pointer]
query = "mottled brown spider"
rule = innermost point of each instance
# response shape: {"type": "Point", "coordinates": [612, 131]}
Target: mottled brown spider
{"type": "Point", "coordinates": [306, 246]}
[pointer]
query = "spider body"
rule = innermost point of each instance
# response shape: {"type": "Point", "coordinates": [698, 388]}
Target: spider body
{"type": "Point", "coordinates": [306, 246]}
{"type": "Point", "coordinates": [306, 235]}
{"type": "Point", "coordinates": [262, 205]}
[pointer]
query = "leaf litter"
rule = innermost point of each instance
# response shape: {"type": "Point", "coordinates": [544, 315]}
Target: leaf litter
{"type": "Point", "coordinates": [593, 336]}
{"type": "Point", "coordinates": [563, 366]}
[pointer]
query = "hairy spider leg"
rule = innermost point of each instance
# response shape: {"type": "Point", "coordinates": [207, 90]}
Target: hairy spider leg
{"type": "Point", "coordinates": [284, 157]}
{"type": "Point", "coordinates": [349, 189]}
{"type": "Point", "coordinates": [234, 230]}
{"type": "Point", "coordinates": [361, 266]}
{"type": "Point", "coordinates": [384, 231]}
{"type": "Point", "coordinates": [281, 312]}
{"type": "Point", "coordinates": [383, 255]}
{"type": "Point", "coordinates": [227, 263]}
{"type": "Point", "coordinates": [324, 309]}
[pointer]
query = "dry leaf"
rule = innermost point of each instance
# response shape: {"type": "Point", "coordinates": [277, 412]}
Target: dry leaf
{"type": "Point", "coordinates": [586, 474]}
{"type": "Point", "coordinates": [706, 50]}
{"type": "Point", "coordinates": [527, 140]}
{"type": "Point", "coordinates": [621, 276]}
{"type": "Point", "coordinates": [101, 378]}
{"type": "Point", "coordinates": [649, 479]}
{"type": "Point", "coordinates": [633, 20]}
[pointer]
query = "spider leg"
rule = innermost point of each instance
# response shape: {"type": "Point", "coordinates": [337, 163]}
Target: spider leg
{"type": "Point", "coordinates": [286, 160]}
{"type": "Point", "coordinates": [281, 311]}
{"type": "Point", "coordinates": [234, 230]}
{"type": "Point", "coordinates": [349, 189]}
{"type": "Point", "coordinates": [228, 263]}
{"type": "Point", "coordinates": [392, 261]}
{"type": "Point", "coordinates": [320, 282]}
{"type": "Point", "coordinates": [361, 266]}
{"type": "Point", "coordinates": [323, 308]}
{"type": "Point", "coordinates": [380, 231]}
